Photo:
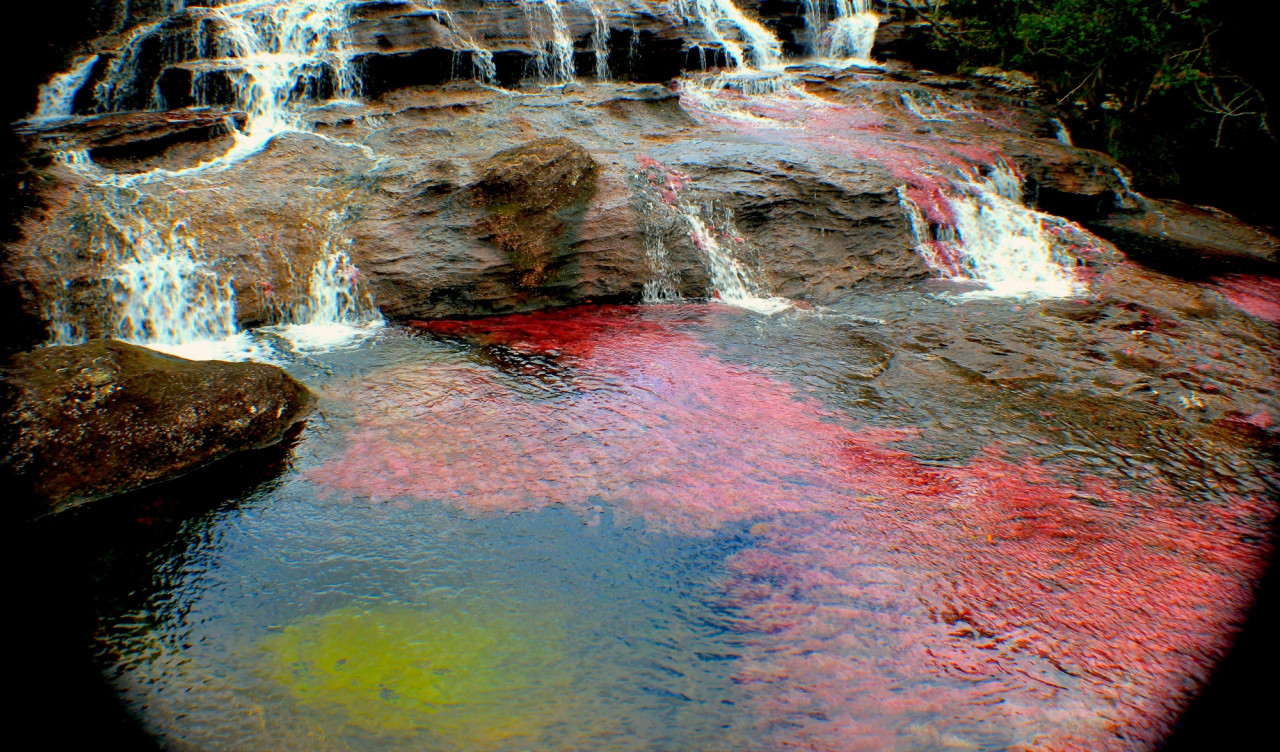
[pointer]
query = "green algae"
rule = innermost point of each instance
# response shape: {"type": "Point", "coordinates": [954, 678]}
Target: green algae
{"type": "Point", "coordinates": [462, 673]}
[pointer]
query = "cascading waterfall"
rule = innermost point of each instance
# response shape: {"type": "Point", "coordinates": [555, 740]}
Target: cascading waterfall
{"type": "Point", "coordinates": [58, 95]}
{"type": "Point", "coordinates": [746, 42]}
{"type": "Point", "coordinates": [275, 54]}
{"type": "Point", "coordinates": [554, 57]}
{"type": "Point", "coordinates": [758, 74]}
{"type": "Point", "coordinates": [600, 40]}
{"type": "Point", "coordinates": [853, 32]}
{"type": "Point", "coordinates": [731, 280]}
{"type": "Point", "coordinates": [713, 233]}
{"type": "Point", "coordinates": [996, 240]}
{"type": "Point", "coordinates": [482, 64]}
{"type": "Point", "coordinates": [849, 36]}
{"type": "Point", "coordinates": [337, 311]}
{"type": "Point", "coordinates": [168, 297]}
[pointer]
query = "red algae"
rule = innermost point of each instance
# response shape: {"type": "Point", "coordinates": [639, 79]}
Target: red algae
{"type": "Point", "coordinates": [883, 603]}
{"type": "Point", "coordinates": [1255, 295]}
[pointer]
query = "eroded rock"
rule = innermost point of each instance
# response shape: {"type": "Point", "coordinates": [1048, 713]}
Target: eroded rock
{"type": "Point", "coordinates": [89, 421]}
{"type": "Point", "coordinates": [531, 194]}
{"type": "Point", "coordinates": [1186, 240]}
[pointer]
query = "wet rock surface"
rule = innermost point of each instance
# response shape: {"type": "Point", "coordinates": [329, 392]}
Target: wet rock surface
{"type": "Point", "coordinates": [89, 421]}
{"type": "Point", "coordinates": [399, 178]}
{"type": "Point", "coordinates": [1190, 241]}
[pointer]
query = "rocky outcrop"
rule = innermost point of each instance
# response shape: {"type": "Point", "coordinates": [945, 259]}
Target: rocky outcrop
{"type": "Point", "coordinates": [140, 141]}
{"type": "Point", "coordinates": [1187, 240]}
{"type": "Point", "coordinates": [812, 228]}
{"type": "Point", "coordinates": [89, 421]}
{"type": "Point", "coordinates": [531, 195]}
{"type": "Point", "coordinates": [451, 200]}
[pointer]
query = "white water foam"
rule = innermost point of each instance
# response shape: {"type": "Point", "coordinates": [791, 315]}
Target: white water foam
{"type": "Point", "coordinates": [338, 313]}
{"type": "Point", "coordinates": [1011, 249]}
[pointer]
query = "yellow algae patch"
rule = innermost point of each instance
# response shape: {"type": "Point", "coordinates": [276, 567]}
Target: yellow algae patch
{"type": "Point", "coordinates": [469, 675]}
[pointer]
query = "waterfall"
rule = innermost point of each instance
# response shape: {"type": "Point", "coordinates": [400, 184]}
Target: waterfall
{"type": "Point", "coordinates": [167, 296]}
{"type": "Point", "coordinates": [731, 280]}
{"type": "Point", "coordinates": [994, 239]}
{"type": "Point", "coordinates": [1062, 134]}
{"type": "Point", "coordinates": [337, 312]}
{"type": "Point", "coordinates": [600, 40]}
{"type": "Point", "coordinates": [722, 20]}
{"type": "Point", "coordinates": [58, 95]}
{"type": "Point", "coordinates": [482, 65]}
{"type": "Point", "coordinates": [849, 36]}
{"type": "Point", "coordinates": [276, 54]}
{"type": "Point", "coordinates": [661, 288]}
{"type": "Point", "coordinates": [554, 57]}
{"type": "Point", "coordinates": [713, 233]}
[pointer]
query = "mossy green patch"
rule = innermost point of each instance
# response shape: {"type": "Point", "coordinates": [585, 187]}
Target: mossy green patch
{"type": "Point", "coordinates": [468, 674]}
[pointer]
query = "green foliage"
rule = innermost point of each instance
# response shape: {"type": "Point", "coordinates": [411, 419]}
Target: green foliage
{"type": "Point", "coordinates": [1144, 79]}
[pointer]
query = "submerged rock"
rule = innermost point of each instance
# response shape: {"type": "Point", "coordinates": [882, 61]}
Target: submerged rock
{"type": "Point", "coordinates": [89, 421]}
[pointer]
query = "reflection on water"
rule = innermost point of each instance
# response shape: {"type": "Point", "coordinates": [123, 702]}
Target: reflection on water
{"type": "Point", "coordinates": [690, 527]}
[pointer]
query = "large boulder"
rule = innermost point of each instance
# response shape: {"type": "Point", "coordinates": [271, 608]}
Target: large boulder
{"type": "Point", "coordinates": [530, 195]}
{"type": "Point", "coordinates": [534, 225]}
{"type": "Point", "coordinates": [89, 421]}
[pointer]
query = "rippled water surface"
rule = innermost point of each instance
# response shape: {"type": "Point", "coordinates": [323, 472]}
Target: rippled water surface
{"type": "Point", "coordinates": [908, 524]}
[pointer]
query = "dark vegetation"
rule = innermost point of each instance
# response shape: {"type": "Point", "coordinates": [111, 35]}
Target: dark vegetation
{"type": "Point", "coordinates": [1177, 90]}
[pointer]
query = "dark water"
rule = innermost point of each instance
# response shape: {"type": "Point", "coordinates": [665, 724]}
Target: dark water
{"type": "Point", "coordinates": [902, 524]}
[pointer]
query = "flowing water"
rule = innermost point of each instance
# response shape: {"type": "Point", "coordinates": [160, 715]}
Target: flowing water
{"type": "Point", "coordinates": [554, 57]}
{"type": "Point", "coordinates": [338, 311]}
{"type": "Point", "coordinates": [57, 96]}
{"type": "Point", "coordinates": [694, 527]}
{"type": "Point", "coordinates": [1028, 515]}
{"type": "Point", "coordinates": [743, 40]}
{"type": "Point", "coordinates": [848, 35]}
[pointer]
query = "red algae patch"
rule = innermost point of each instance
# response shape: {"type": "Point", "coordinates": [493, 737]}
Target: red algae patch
{"type": "Point", "coordinates": [882, 603]}
{"type": "Point", "coordinates": [1256, 296]}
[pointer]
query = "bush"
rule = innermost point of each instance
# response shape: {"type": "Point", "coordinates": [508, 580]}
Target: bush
{"type": "Point", "coordinates": [1169, 87]}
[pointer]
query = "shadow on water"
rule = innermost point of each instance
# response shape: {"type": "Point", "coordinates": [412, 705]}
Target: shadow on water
{"type": "Point", "coordinates": [1238, 705]}
{"type": "Point", "coordinates": [69, 567]}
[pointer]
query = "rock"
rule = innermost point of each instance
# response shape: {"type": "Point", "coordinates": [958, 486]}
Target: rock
{"type": "Point", "coordinates": [1079, 184]}
{"type": "Point", "coordinates": [89, 421]}
{"type": "Point", "coordinates": [531, 194]}
{"type": "Point", "coordinates": [539, 224]}
{"type": "Point", "coordinates": [138, 141]}
{"type": "Point", "coordinates": [1013, 81]}
{"type": "Point", "coordinates": [1190, 241]}
{"type": "Point", "coordinates": [814, 228]}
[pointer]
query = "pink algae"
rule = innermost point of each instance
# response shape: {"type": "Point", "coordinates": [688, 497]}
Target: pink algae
{"type": "Point", "coordinates": [1255, 295]}
{"type": "Point", "coordinates": [883, 603]}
